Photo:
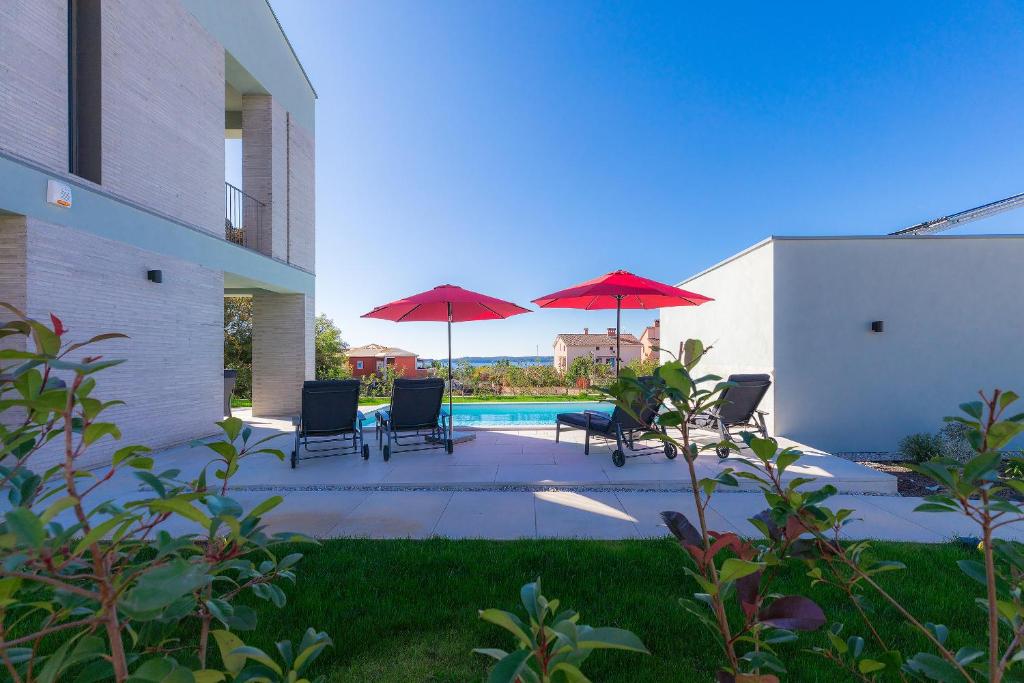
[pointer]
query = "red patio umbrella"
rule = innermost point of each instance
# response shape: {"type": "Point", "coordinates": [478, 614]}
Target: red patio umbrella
{"type": "Point", "coordinates": [620, 289]}
{"type": "Point", "coordinates": [446, 303]}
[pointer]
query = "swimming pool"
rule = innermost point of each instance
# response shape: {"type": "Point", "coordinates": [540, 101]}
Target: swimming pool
{"type": "Point", "coordinates": [497, 415]}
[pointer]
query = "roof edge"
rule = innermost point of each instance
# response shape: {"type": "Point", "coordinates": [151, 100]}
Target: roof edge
{"type": "Point", "coordinates": [802, 238]}
{"type": "Point", "coordinates": [292, 49]}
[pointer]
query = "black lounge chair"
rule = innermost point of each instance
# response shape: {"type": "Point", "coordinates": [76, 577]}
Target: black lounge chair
{"type": "Point", "coordinates": [330, 415]}
{"type": "Point", "coordinates": [415, 412]}
{"type": "Point", "coordinates": [621, 427]}
{"type": "Point", "coordinates": [738, 409]}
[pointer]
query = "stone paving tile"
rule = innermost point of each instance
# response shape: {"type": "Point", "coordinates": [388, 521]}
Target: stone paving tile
{"type": "Point", "coordinates": [316, 513]}
{"type": "Point", "coordinates": [453, 474]}
{"type": "Point", "coordinates": [500, 515]}
{"type": "Point", "coordinates": [394, 514]}
{"type": "Point", "coordinates": [646, 508]}
{"type": "Point", "coordinates": [564, 514]}
{"type": "Point", "coordinates": [550, 474]}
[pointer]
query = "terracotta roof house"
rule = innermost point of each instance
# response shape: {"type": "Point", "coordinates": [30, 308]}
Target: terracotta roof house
{"type": "Point", "coordinates": [373, 358]}
{"type": "Point", "coordinates": [569, 347]}
{"type": "Point", "coordinates": [651, 341]}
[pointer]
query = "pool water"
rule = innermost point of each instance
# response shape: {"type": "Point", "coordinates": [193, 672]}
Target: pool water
{"type": "Point", "coordinates": [512, 415]}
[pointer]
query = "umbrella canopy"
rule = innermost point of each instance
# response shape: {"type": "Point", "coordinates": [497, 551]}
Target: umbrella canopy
{"type": "Point", "coordinates": [433, 305]}
{"type": "Point", "coordinates": [620, 289]}
{"type": "Point", "coordinates": [451, 304]}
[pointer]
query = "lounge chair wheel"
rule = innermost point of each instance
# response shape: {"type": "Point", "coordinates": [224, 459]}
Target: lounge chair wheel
{"type": "Point", "coordinates": [295, 459]}
{"type": "Point", "coordinates": [366, 451]}
{"type": "Point", "coordinates": [619, 458]}
{"type": "Point", "coordinates": [723, 453]}
{"type": "Point", "coordinates": [671, 451]}
{"type": "Point", "coordinates": [387, 453]}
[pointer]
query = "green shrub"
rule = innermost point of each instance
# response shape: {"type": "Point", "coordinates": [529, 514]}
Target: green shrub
{"type": "Point", "coordinates": [955, 445]}
{"type": "Point", "coordinates": [94, 588]}
{"type": "Point", "coordinates": [921, 447]}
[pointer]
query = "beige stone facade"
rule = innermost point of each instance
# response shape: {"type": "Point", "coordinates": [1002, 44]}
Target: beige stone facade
{"type": "Point", "coordinates": [156, 200]}
{"type": "Point", "coordinates": [600, 346]}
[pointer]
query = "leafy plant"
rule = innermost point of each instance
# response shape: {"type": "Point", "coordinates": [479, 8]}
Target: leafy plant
{"type": "Point", "coordinates": [551, 645]}
{"type": "Point", "coordinates": [330, 350]}
{"type": "Point", "coordinates": [955, 445]}
{"type": "Point", "coordinates": [238, 342]}
{"type": "Point", "coordinates": [797, 526]}
{"type": "Point", "coordinates": [920, 447]}
{"type": "Point", "coordinates": [724, 566]}
{"type": "Point", "coordinates": [103, 587]}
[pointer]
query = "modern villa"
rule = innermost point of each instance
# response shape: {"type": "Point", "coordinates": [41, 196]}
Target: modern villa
{"type": "Point", "coordinates": [867, 339]}
{"type": "Point", "coordinates": [114, 211]}
{"type": "Point", "coordinates": [600, 346]}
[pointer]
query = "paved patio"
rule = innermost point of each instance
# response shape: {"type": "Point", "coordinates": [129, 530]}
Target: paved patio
{"type": "Point", "coordinates": [507, 485]}
{"type": "Point", "coordinates": [529, 457]}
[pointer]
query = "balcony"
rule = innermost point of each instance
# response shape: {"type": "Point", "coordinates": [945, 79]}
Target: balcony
{"type": "Point", "coordinates": [243, 219]}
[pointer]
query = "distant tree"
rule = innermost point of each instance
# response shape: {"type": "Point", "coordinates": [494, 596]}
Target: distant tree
{"type": "Point", "coordinates": [238, 342]}
{"type": "Point", "coordinates": [581, 367]}
{"type": "Point", "coordinates": [643, 367]}
{"type": "Point", "coordinates": [331, 350]}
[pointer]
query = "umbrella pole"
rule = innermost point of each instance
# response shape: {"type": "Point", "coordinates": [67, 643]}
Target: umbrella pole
{"type": "Point", "coordinates": [618, 333]}
{"type": "Point", "coordinates": [451, 413]}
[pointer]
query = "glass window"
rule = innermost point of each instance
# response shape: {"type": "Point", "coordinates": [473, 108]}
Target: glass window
{"type": "Point", "coordinates": [359, 365]}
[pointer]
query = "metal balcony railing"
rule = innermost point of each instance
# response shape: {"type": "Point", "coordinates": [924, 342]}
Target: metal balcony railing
{"type": "Point", "coordinates": [243, 218]}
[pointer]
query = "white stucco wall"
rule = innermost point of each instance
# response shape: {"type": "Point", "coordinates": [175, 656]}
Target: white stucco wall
{"type": "Point", "coordinates": [952, 308]}
{"type": "Point", "coordinates": [801, 309]}
{"type": "Point", "coordinates": [738, 323]}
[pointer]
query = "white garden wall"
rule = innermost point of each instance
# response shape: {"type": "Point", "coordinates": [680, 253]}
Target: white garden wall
{"type": "Point", "coordinates": [801, 309]}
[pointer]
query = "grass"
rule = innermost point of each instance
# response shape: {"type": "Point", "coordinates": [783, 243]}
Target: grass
{"type": "Point", "coordinates": [380, 400]}
{"type": "Point", "coordinates": [407, 610]}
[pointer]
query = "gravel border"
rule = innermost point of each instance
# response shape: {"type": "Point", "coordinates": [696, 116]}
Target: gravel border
{"type": "Point", "coordinates": [502, 488]}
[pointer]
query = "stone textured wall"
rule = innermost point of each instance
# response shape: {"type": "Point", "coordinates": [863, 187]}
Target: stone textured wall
{"type": "Point", "coordinates": [34, 81]}
{"type": "Point", "coordinates": [301, 197]}
{"type": "Point", "coordinates": [163, 111]}
{"type": "Point", "coordinates": [264, 169]}
{"type": "Point", "coordinates": [282, 351]}
{"type": "Point", "coordinates": [171, 380]}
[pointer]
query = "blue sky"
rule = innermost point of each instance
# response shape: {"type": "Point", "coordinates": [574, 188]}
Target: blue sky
{"type": "Point", "coordinates": [517, 148]}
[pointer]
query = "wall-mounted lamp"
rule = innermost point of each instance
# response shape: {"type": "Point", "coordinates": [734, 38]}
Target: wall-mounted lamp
{"type": "Point", "coordinates": [156, 276]}
{"type": "Point", "coordinates": [878, 326]}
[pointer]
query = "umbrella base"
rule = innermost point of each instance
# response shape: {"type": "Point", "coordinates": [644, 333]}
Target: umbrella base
{"type": "Point", "coordinates": [457, 437]}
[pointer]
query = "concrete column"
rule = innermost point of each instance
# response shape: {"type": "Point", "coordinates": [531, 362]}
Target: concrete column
{"type": "Point", "coordinates": [282, 351]}
{"type": "Point", "coordinates": [265, 170]}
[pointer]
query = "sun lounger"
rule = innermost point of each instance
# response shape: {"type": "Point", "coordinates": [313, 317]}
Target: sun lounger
{"type": "Point", "coordinates": [621, 427]}
{"type": "Point", "coordinates": [738, 410]}
{"type": "Point", "coordinates": [331, 419]}
{"type": "Point", "coordinates": [414, 415]}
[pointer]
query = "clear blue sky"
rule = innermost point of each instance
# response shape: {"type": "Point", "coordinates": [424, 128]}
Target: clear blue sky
{"type": "Point", "coordinates": [517, 148]}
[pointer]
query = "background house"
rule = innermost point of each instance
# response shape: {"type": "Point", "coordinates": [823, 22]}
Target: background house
{"type": "Point", "coordinates": [802, 308]}
{"type": "Point", "coordinates": [130, 123]}
{"type": "Point", "coordinates": [651, 341]}
{"type": "Point", "coordinates": [601, 347]}
{"type": "Point", "coordinates": [373, 358]}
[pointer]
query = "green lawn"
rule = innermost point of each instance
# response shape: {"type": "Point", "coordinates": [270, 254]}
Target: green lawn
{"type": "Point", "coordinates": [380, 400]}
{"type": "Point", "coordinates": [407, 610]}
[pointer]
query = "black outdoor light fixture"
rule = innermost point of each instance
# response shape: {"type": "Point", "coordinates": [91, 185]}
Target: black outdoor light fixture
{"type": "Point", "coordinates": [156, 276]}
{"type": "Point", "coordinates": [878, 326]}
